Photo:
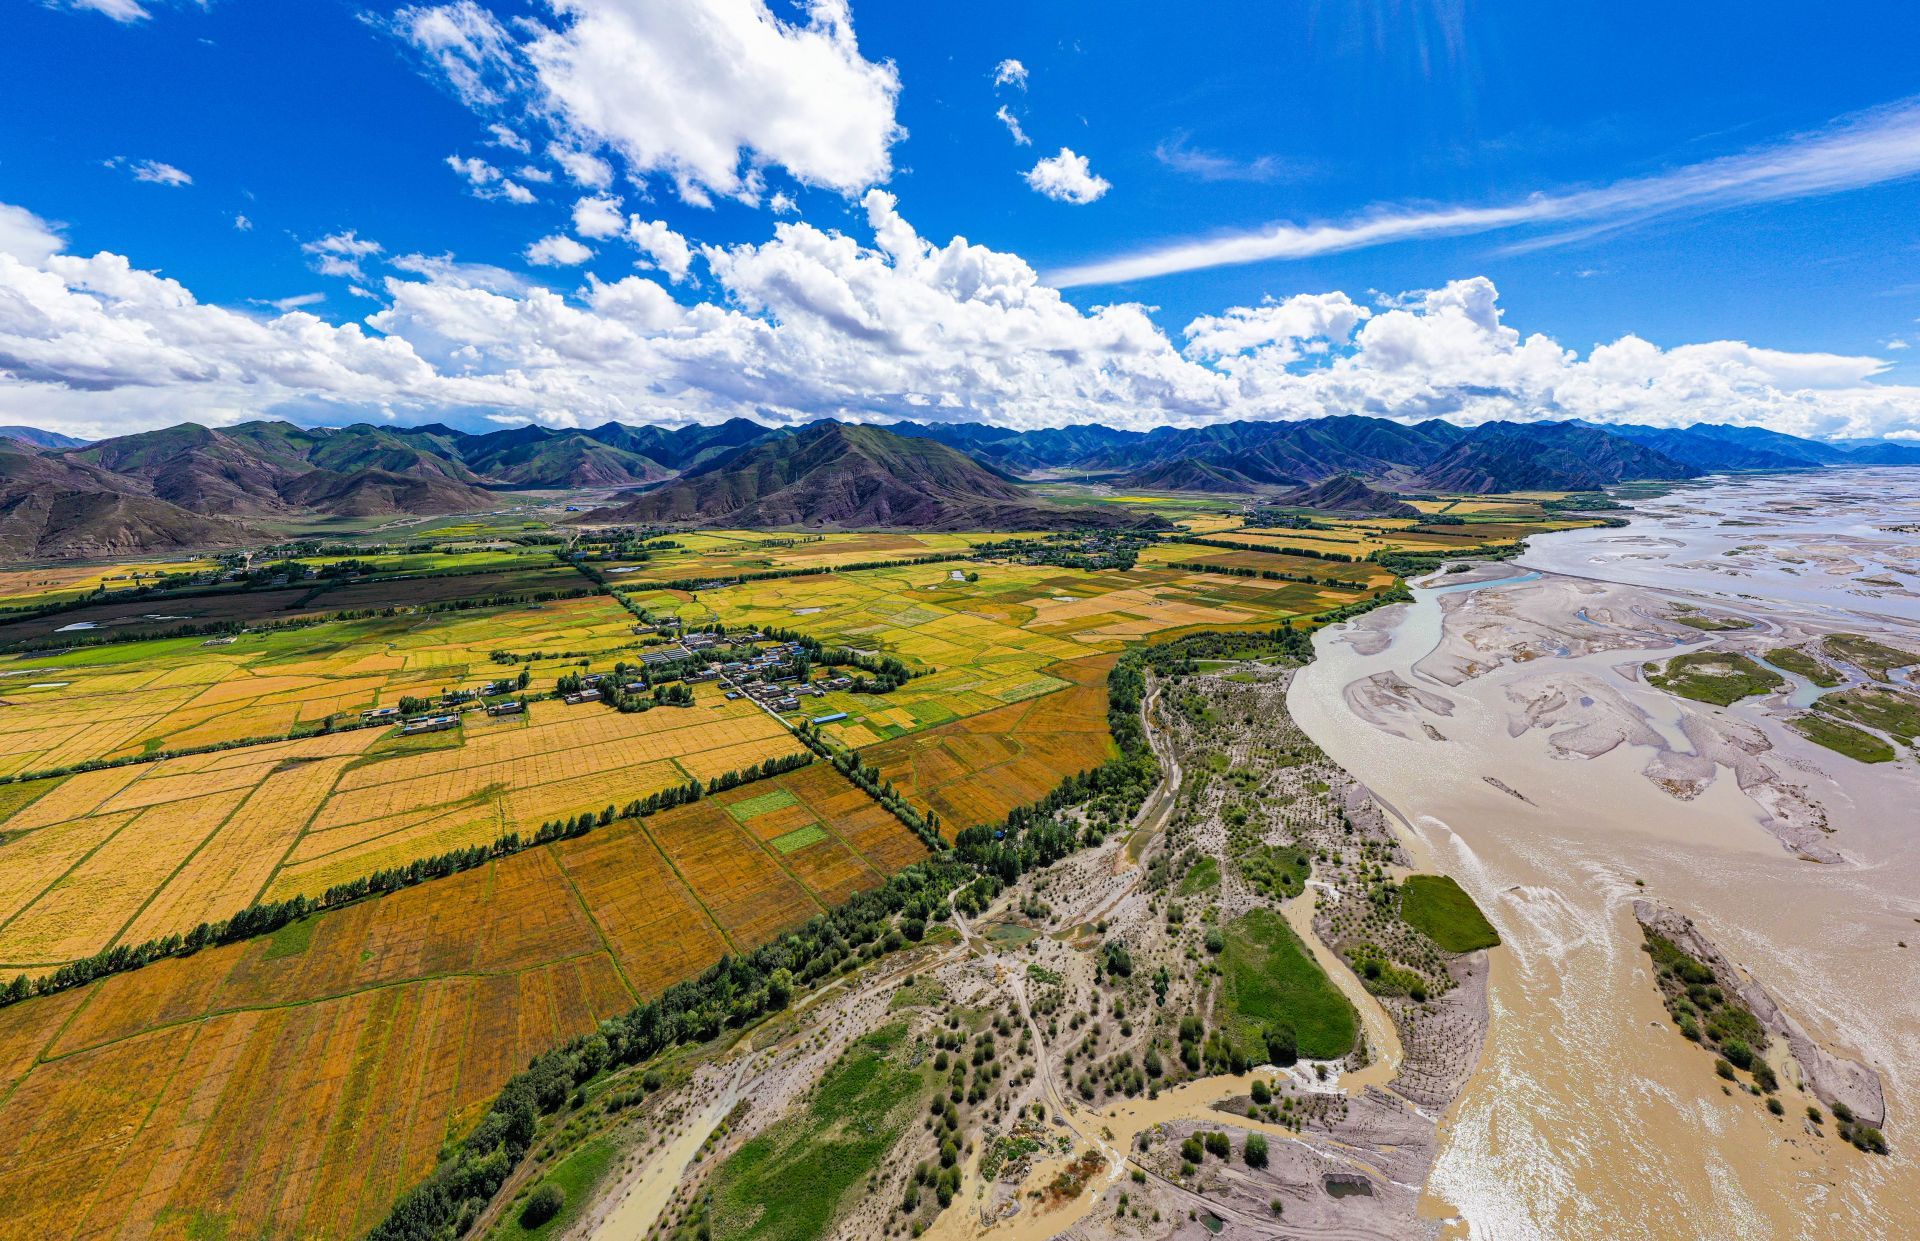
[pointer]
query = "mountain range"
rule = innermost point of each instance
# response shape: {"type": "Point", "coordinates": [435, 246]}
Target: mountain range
{"type": "Point", "coordinates": [191, 485]}
{"type": "Point", "coordinates": [1430, 455]}
{"type": "Point", "coordinates": [852, 476]}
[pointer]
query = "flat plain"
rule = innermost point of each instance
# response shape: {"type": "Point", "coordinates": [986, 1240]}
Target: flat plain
{"type": "Point", "coordinates": [293, 1085]}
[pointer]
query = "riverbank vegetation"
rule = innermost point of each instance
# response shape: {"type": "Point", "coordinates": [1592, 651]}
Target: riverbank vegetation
{"type": "Point", "coordinates": [1440, 908]}
{"type": "Point", "coordinates": [1718, 677]}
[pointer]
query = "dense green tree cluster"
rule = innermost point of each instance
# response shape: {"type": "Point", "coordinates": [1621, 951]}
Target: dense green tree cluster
{"type": "Point", "coordinates": [1268, 575]}
{"type": "Point", "coordinates": [223, 628]}
{"type": "Point", "coordinates": [1413, 564]}
{"type": "Point", "coordinates": [735, 579]}
{"type": "Point", "coordinates": [1311, 553]}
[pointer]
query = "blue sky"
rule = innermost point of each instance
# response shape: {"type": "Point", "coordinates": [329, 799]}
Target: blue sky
{"type": "Point", "coordinates": [1614, 172]}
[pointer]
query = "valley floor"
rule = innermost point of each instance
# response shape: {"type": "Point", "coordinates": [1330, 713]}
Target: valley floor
{"type": "Point", "coordinates": [1059, 1049]}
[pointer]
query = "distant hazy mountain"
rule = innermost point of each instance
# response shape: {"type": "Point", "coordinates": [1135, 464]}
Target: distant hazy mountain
{"type": "Point", "coordinates": [1241, 455]}
{"type": "Point", "coordinates": [36, 438]}
{"type": "Point", "coordinates": [1717, 448]}
{"type": "Point", "coordinates": [838, 475]}
{"type": "Point", "coordinates": [1545, 456]}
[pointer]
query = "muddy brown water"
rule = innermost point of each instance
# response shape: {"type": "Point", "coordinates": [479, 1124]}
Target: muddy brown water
{"type": "Point", "coordinates": [1588, 1116]}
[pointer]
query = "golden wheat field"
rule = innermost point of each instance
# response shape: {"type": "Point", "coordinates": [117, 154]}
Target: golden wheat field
{"type": "Point", "coordinates": [169, 694]}
{"type": "Point", "coordinates": [294, 1085]}
{"type": "Point", "coordinates": [130, 853]}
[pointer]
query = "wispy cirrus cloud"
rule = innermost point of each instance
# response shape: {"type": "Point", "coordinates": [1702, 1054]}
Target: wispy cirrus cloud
{"type": "Point", "coordinates": [1856, 151]}
{"type": "Point", "coordinates": [152, 171]}
{"type": "Point", "coordinates": [1012, 122]}
{"type": "Point", "coordinates": [1179, 154]}
{"type": "Point", "coordinates": [118, 10]}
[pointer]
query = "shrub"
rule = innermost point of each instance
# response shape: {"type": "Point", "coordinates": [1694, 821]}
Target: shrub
{"type": "Point", "coordinates": [1255, 1151]}
{"type": "Point", "coordinates": [542, 1205]}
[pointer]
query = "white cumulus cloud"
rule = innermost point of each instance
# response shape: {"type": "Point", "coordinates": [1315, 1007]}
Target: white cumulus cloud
{"type": "Point", "coordinates": [1010, 72]}
{"type": "Point", "coordinates": [1305, 317]}
{"type": "Point", "coordinates": [661, 246]}
{"type": "Point", "coordinates": [486, 181]}
{"type": "Point", "coordinates": [812, 322]}
{"type": "Point", "coordinates": [470, 47]}
{"type": "Point", "coordinates": [501, 136]}
{"type": "Point", "coordinates": [339, 254]}
{"type": "Point", "coordinates": [583, 168]}
{"type": "Point", "coordinates": [559, 250]}
{"type": "Point", "coordinates": [26, 236]}
{"type": "Point", "coordinates": [705, 95]}
{"type": "Point", "coordinates": [598, 216]}
{"type": "Point", "coordinates": [1067, 178]}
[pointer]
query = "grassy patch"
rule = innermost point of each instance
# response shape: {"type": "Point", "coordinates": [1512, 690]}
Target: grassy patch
{"type": "Point", "coordinates": [292, 939]}
{"type": "Point", "coordinates": [1719, 677]}
{"type": "Point", "coordinates": [1005, 935]}
{"type": "Point", "coordinates": [1842, 738]}
{"type": "Point", "coordinates": [1271, 978]}
{"type": "Point", "coordinates": [799, 838]}
{"type": "Point", "coordinates": [1873, 658]}
{"type": "Point", "coordinates": [1887, 710]}
{"type": "Point", "coordinates": [1441, 909]}
{"type": "Point", "coordinates": [790, 1182]}
{"type": "Point", "coordinates": [575, 1176]}
{"type": "Point", "coordinates": [1802, 664]}
{"type": "Point", "coordinates": [1202, 876]}
{"type": "Point", "coordinates": [1710, 624]}
{"type": "Point", "coordinates": [922, 991]}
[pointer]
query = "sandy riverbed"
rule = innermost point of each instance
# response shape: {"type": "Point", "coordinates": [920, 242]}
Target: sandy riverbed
{"type": "Point", "coordinates": [1511, 730]}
